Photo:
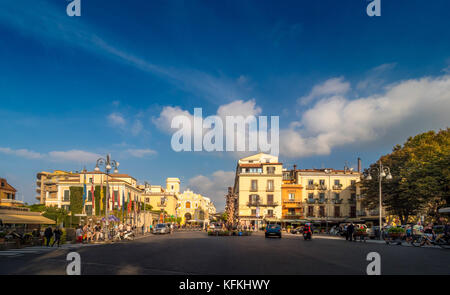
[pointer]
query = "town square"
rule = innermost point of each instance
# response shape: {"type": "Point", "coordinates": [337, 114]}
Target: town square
{"type": "Point", "coordinates": [206, 141]}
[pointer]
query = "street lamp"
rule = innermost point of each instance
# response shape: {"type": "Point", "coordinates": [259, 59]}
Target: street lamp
{"type": "Point", "coordinates": [382, 171]}
{"type": "Point", "coordinates": [108, 164]}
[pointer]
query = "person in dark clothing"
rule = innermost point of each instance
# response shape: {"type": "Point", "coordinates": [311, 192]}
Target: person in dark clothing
{"type": "Point", "coordinates": [48, 234]}
{"type": "Point", "coordinates": [58, 233]}
{"type": "Point", "coordinates": [350, 230]}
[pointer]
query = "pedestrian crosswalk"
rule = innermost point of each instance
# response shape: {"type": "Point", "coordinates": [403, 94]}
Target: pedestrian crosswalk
{"type": "Point", "coordinates": [40, 249]}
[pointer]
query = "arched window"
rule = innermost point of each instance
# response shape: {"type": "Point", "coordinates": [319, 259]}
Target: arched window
{"type": "Point", "coordinates": [188, 205]}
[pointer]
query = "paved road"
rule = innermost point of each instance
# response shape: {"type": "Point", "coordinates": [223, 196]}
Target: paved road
{"type": "Point", "coordinates": [196, 253]}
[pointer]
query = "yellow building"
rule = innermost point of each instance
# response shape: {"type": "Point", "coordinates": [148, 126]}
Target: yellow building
{"type": "Point", "coordinates": [163, 199]}
{"type": "Point", "coordinates": [194, 208]}
{"type": "Point", "coordinates": [258, 187]}
{"type": "Point", "coordinates": [8, 194]}
{"type": "Point", "coordinates": [291, 198]}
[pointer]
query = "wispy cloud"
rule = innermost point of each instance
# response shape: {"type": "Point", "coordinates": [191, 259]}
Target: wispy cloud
{"type": "Point", "coordinates": [56, 156]}
{"type": "Point", "coordinates": [24, 153]}
{"type": "Point", "coordinates": [140, 153]}
{"type": "Point", "coordinates": [335, 86]}
{"type": "Point", "coordinates": [46, 22]}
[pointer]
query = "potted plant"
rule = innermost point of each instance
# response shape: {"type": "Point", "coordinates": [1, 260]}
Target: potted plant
{"type": "Point", "coordinates": [396, 232]}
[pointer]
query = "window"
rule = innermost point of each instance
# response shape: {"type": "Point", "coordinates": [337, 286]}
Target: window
{"type": "Point", "coordinates": [88, 209]}
{"type": "Point", "coordinates": [66, 207]}
{"type": "Point", "coordinates": [3, 183]}
{"type": "Point", "coordinates": [310, 211]}
{"type": "Point", "coordinates": [310, 181]}
{"type": "Point", "coordinates": [269, 213]}
{"type": "Point", "coordinates": [188, 205]}
{"type": "Point", "coordinates": [291, 196]}
{"type": "Point", "coordinates": [322, 181]}
{"type": "Point", "coordinates": [253, 212]}
{"type": "Point", "coordinates": [337, 182]}
{"type": "Point", "coordinates": [311, 196]}
{"type": "Point", "coordinates": [253, 199]}
{"type": "Point", "coordinates": [322, 197]}
{"type": "Point", "coordinates": [336, 196]}
{"type": "Point", "coordinates": [90, 179]}
{"type": "Point", "coordinates": [147, 200]}
{"type": "Point", "coordinates": [270, 186]}
{"type": "Point", "coordinates": [353, 182]}
{"type": "Point", "coordinates": [269, 199]}
{"type": "Point", "coordinates": [352, 212]}
{"type": "Point", "coordinates": [321, 211]}
{"type": "Point", "coordinates": [270, 170]}
{"type": "Point", "coordinates": [89, 198]}
{"type": "Point", "coordinates": [254, 186]}
{"type": "Point", "coordinates": [116, 197]}
{"type": "Point", "coordinates": [337, 211]}
{"type": "Point", "coordinates": [66, 197]}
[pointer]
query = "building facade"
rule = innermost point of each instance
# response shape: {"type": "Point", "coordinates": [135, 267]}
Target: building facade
{"type": "Point", "coordinates": [194, 208]}
{"type": "Point", "coordinates": [291, 198]}
{"type": "Point", "coordinates": [8, 194]}
{"type": "Point", "coordinates": [257, 185]}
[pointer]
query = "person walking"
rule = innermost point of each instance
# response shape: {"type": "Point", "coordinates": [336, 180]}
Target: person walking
{"type": "Point", "coordinates": [48, 233]}
{"type": "Point", "coordinates": [58, 233]}
{"type": "Point", "coordinates": [79, 234]}
{"type": "Point", "coordinates": [350, 230]}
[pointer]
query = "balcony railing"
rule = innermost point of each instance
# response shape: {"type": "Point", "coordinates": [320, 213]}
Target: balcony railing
{"type": "Point", "coordinates": [253, 189]}
{"type": "Point", "coordinates": [162, 204]}
{"type": "Point", "coordinates": [322, 187]}
{"type": "Point", "coordinates": [270, 189]}
{"type": "Point", "coordinates": [310, 201]}
{"type": "Point", "coordinates": [322, 201]}
{"type": "Point", "coordinates": [311, 187]}
{"type": "Point", "coordinates": [336, 201]}
{"type": "Point", "coordinates": [260, 204]}
{"type": "Point", "coordinates": [337, 186]}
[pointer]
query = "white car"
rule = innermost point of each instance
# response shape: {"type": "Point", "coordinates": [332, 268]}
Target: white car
{"type": "Point", "coordinates": [161, 228]}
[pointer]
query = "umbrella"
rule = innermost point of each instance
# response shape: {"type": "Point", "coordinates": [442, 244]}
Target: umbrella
{"type": "Point", "coordinates": [111, 218]}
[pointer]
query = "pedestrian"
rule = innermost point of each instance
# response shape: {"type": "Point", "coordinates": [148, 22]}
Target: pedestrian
{"type": "Point", "coordinates": [48, 233]}
{"type": "Point", "coordinates": [58, 233]}
{"type": "Point", "coordinates": [79, 234]}
{"type": "Point", "coordinates": [350, 230]}
{"type": "Point", "coordinates": [171, 228]}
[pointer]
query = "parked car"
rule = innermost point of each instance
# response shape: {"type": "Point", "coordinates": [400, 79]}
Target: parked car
{"type": "Point", "coordinates": [161, 228]}
{"type": "Point", "coordinates": [297, 230]}
{"type": "Point", "coordinates": [273, 230]}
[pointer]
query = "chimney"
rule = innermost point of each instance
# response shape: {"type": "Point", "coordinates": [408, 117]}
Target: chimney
{"type": "Point", "coordinates": [295, 167]}
{"type": "Point", "coordinates": [359, 165]}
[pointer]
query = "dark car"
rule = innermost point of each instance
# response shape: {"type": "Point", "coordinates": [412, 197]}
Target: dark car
{"type": "Point", "coordinates": [273, 230]}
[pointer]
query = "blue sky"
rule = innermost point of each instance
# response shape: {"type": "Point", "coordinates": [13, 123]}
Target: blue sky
{"type": "Point", "coordinates": [344, 84]}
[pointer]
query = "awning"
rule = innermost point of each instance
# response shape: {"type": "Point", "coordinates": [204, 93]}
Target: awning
{"type": "Point", "coordinates": [444, 210]}
{"type": "Point", "coordinates": [25, 219]}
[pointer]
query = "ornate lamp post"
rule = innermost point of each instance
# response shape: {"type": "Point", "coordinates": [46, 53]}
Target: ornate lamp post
{"type": "Point", "coordinates": [382, 171]}
{"type": "Point", "coordinates": [108, 165]}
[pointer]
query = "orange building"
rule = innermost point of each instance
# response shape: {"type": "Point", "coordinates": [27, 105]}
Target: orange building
{"type": "Point", "coordinates": [291, 197]}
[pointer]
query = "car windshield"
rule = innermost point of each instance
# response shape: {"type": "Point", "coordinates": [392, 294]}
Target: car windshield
{"type": "Point", "coordinates": [273, 226]}
{"type": "Point", "coordinates": [161, 225]}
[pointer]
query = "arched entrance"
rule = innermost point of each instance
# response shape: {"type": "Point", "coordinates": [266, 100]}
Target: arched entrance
{"type": "Point", "coordinates": [187, 216]}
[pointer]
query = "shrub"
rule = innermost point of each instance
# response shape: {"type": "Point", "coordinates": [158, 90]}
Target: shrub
{"type": "Point", "coordinates": [396, 230]}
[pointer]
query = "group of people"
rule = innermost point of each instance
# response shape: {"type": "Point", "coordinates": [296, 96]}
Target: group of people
{"type": "Point", "coordinates": [88, 233]}
{"type": "Point", "coordinates": [50, 233]}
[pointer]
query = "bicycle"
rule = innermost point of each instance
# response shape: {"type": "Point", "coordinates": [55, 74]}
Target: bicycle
{"type": "Point", "coordinates": [441, 241]}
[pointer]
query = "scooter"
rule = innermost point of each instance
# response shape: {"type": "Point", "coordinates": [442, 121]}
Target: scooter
{"type": "Point", "coordinates": [307, 236]}
{"type": "Point", "coordinates": [128, 235]}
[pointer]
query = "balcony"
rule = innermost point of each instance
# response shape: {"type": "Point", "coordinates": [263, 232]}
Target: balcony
{"type": "Point", "coordinates": [51, 188]}
{"type": "Point", "coordinates": [161, 204]}
{"type": "Point", "coordinates": [322, 201]}
{"type": "Point", "coordinates": [254, 189]}
{"type": "Point", "coordinates": [310, 201]}
{"type": "Point", "coordinates": [322, 187]}
{"type": "Point", "coordinates": [337, 186]}
{"type": "Point", "coordinates": [293, 216]}
{"type": "Point", "coordinates": [270, 189]}
{"type": "Point", "coordinates": [336, 201]}
{"type": "Point", "coordinates": [352, 201]}
{"type": "Point", "coordinates": [260, 204]}
{"type": "Point", "coordinates": [311, 187]}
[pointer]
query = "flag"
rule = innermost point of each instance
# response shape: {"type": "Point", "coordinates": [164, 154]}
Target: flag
{"type": "Point", "coordinates": [101, 195]}
{"type": "Point", "coordinates": [123, 201]}
{"type": "Point", "coordinates": [84, 191]}
{"type": "Point", "coordinates": [93, 197]}
{"type": "Point", "coordinates": [112, 189]}
{"type": "Point", "coordinates": [129, 202]}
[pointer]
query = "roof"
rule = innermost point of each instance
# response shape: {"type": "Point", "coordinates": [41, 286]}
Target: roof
{"type": "Point", "coordinates": [7, 186]}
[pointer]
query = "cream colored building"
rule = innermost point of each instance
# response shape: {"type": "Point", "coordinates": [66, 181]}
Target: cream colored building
{"type": "Point", "coordinates": [258, 183]}
{"type": "Point", "coordinates": [54, 188]}
{"type": "Point", "coordinates": [194, 208]}
{"type": "Point", "coordinates": [330, 195]}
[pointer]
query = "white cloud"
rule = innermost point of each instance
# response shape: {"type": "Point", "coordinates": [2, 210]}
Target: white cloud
{"type": "Point", "coordinates": [405, 108]}
{"type": "Point", "coordinates": [137, 128]}
{"type": "Point", "coordinates": [140, 153]}
{"type": "Point", "coordinates": [163, 122]}
{"type": "Point", "coordinates": [334, 86]}
{"type": "Point", "coordinates": [24, 153]}
{"type": "Point", "coordinates": [116, 119]}
{"type": "Point", "coordinates": [73, 156]}
{"type": "Point", "coordinates": [214, 187]}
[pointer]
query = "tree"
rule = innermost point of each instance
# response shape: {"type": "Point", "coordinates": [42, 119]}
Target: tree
{"type": "Point", "coordinates": [420, 171]}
